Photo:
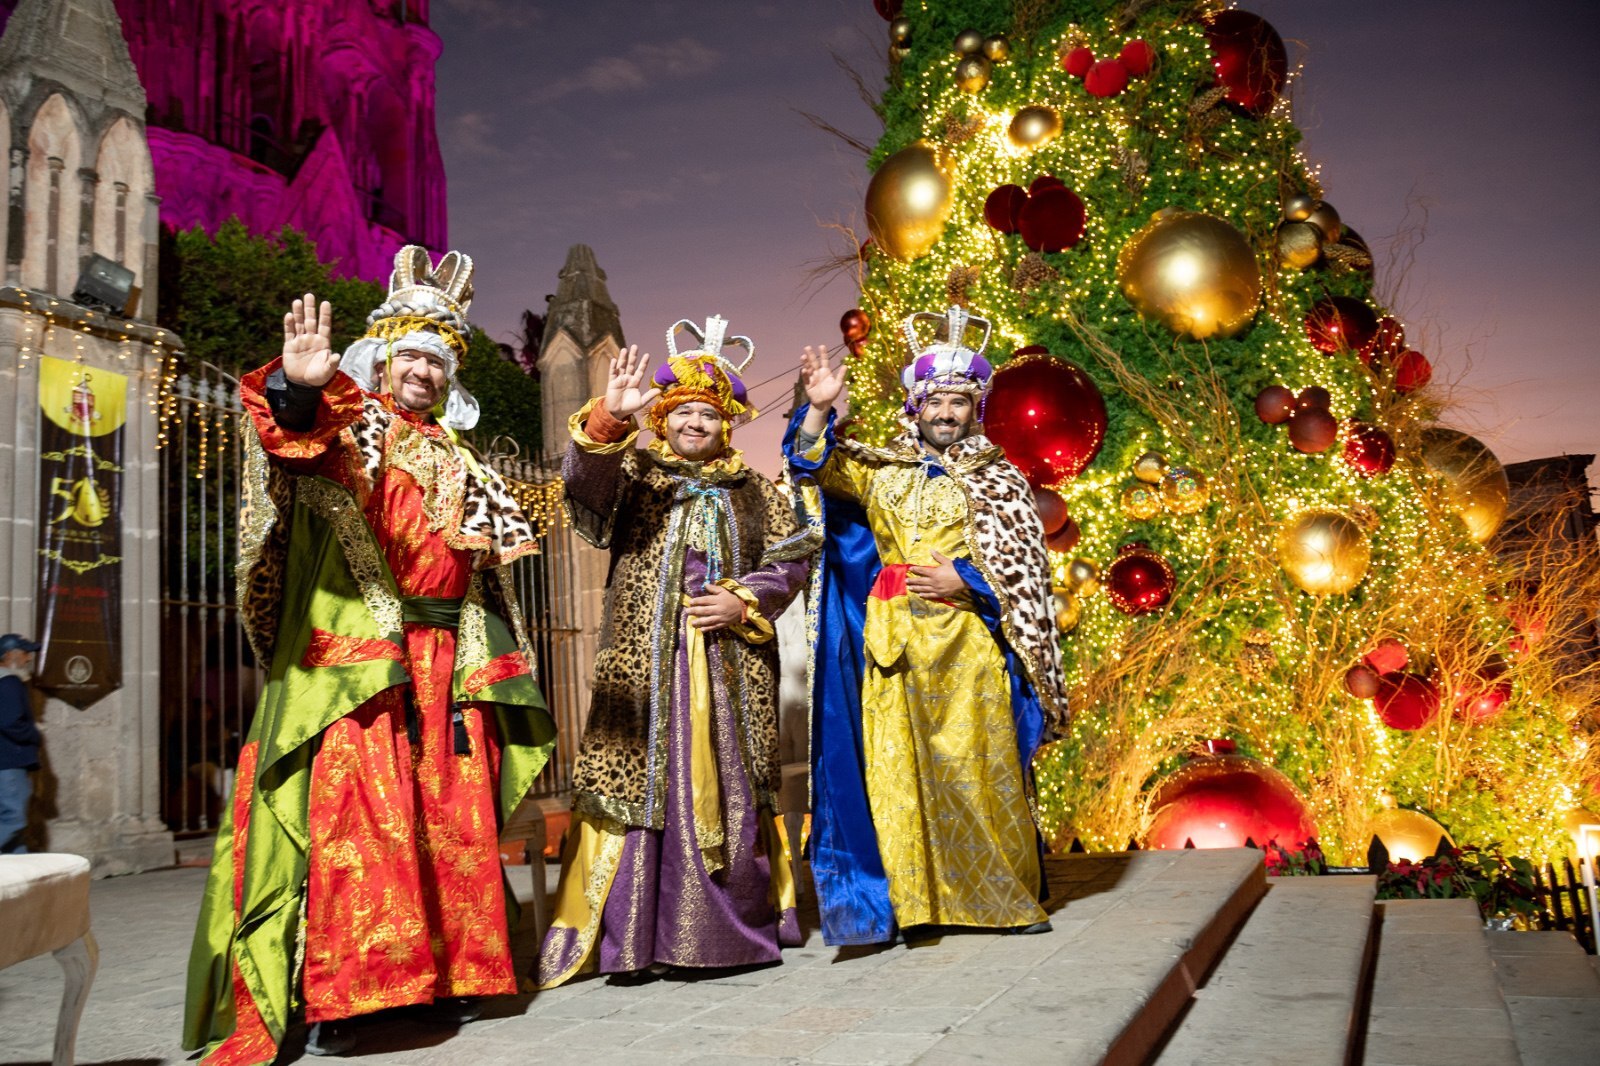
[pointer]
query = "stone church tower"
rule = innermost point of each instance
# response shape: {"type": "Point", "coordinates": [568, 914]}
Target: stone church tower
{"type": "Point", "coordinates": [72, 125]}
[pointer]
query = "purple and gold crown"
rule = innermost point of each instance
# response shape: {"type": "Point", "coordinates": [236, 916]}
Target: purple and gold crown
{"type": "Point", "coordinates": [946, 365]}
{"type": "Point", "coordinates": [703, 374]}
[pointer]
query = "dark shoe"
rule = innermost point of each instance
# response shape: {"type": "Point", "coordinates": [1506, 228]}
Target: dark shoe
{"type": "Point", "coordinates": [330, 1038]}
{"type": "Point", "coordinates": [1028, 930]}
{"type": "Point", "coordinates": [455, 1010]}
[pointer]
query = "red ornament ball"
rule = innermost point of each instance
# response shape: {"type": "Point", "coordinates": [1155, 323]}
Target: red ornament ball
{"type": "Point", "coordinates": [1406, 701]}
{"type": "Point", "coordinates": [1312, 430]}
{"type": "Point", "coordinates": [1274, 405]}
{"type": "Point", "coordinates": [889, 10]}
{"type": "Point", "coordinates": [1108, 77]}
{"type": "Point", "coordinates": [1361, 681]}
{"type": "Point", "coordinates": [1139, 581]}
{"type": "Point", "coordinates": [1045, 181]}
{"type": "Point", "coordinates": [1484, 694]}
{"type": "Point", "coordinates": [1052, 510]}
{"type": "Point", "coordinates": [1389, 657]}
{"type": "Point", "coordinates": [1052, 220]}
{"type": "Point", "coordinates": [855, 324]}
{"type": "Point", "coordinates": [1138, 57]}
{"type": "Point", "coordinates": [1077, 62]}
{"type": "Point", "coordinates": [1047, 415]}
{"type": "Point", "coordinates": [1387, 342]}
{"type": "Point", "coordinates": [856, 347]}
{"type": "Point", "coordinates": [1066, 538]}
{"type": "Point", "coordinates": [1222, 801]}
{"type": "Point", "coordinates": [1313, 396]}
{"type": "Point", "coordinates": [1340, 324]}
{"type": "Point", "coordinates": [1249, 58]}
{"type": "Point", "coordinates": [1411, 371]}
{"type": "Point", "coordinates": [1368, 449]}
{"type": "Point", "coordinates": [1002, 207]}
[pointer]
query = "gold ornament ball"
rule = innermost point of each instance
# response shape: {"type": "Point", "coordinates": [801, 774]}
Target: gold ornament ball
{"type": "Point", "coordinates": [1150, 467]}
{"type": "Point", "coordinates": [997, 49]}
{"type": "Point", "coordinates": [1298, 208]}
{"type": "Point", "coordinates": [1068, 609]}
{"type": "Point", "coordinates": [1324, 552]}
{"type": "Point", "coordinates": [972, 74]}
{"type": "Point", "coordinates": [1184, 490]}
{"type": "Point", "coordinates": [908, 201]}
{"type": "Point", "coordinates": [1326, 219]}
{"type": "Point", "coordinates": [1034, 125]}
{"type": "Point", "coordinates": [1406, 834]}
{"type": "Point", "coordinates": [1194, 273]}
{"type": "Point", "coordinates": [1474, 479]}
{"type": "Point", "coordinates": [1083, 577]}
{"type": "Point", "coordinates": [968, 42]}
{"type": "Point", "coordinates": [900, 31]}
{"type": "Point", "coordinates": [1299, 245]}
{"type": "Point", "coordinates": [1141, 502]}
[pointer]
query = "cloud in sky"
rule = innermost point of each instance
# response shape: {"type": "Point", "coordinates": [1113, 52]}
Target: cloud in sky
{"type": "Point", "coordinates": [642, 65]}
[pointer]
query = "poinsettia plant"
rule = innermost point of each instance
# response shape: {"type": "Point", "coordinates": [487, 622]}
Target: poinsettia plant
{"type": "Point", "coordinates": [1305, 860]}
{"type": "Point", "coordinates": [1502, 886]}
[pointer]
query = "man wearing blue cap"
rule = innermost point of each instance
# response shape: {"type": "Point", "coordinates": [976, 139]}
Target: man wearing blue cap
{"type": "Point", "coordinates": [19, 741]}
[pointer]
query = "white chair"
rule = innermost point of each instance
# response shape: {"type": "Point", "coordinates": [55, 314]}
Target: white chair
{"type": "Point", "coordinates": [44, 906]}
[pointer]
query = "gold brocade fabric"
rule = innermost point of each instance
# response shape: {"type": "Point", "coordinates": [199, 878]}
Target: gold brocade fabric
{"type": "Point", "coordinates": [943, 779]}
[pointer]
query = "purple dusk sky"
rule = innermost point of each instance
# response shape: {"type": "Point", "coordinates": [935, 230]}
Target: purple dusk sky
{"type": "Point", "coordinates": [663, 135]}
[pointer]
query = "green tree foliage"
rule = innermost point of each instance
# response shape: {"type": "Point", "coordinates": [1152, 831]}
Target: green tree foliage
{"type": "Point", "coordinates": [509, 398]}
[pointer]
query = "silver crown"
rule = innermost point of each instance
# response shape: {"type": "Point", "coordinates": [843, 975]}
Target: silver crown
{"type": "Point", "coordinates": [711, 342]}
{"type": "Point", "coordinates": [956, 320]}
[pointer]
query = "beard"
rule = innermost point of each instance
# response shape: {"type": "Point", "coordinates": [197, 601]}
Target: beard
{"type": "Point", "coordinates": [940, 432]}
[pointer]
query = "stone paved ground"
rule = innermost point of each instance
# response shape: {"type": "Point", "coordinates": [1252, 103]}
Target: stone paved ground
{"type": "Point", "coordinates": [980, 997]}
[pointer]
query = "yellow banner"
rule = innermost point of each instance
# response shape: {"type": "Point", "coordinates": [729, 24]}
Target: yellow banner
{"type": "Point", "coordinates": [83, 400]}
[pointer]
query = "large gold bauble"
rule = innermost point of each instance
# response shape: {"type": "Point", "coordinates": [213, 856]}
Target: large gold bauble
{"type": "Point", "coordinates": [1083, 577]}
{"type": "Point", "coordinates": [1299, 245]}
{"type": "Point", "coordinates": [900, 31]}
{"type": "Point", "coordinates": [1298, 208]}
{"type": "Point", "coordinates": [972, 73]}
{"type": "Point", "coordinates": [1194, 273]}
{"type": "Point", "coordinates": [908, 200]}
{"type": "Point", "coordinates": [1141, 502]}
{"type": "Point", "coordinates": [1326, 219]}
{"type": "Point", "coordinates": [1150, 467]}
{"type": "Point", "coordinates": [1474, 479]}
{"type": "Point", "coordinates": [1406, 834]}
{"type": "Point", "coordinates": [1068, 609]}
{"type": "Point", "coordinates": [968, 42]}
{"type": "Point", "coordinates": [1324, 552]}
{"type": "Point", "coordinates": [1184, 490]}
{"type": "Point", "coordinates": [997, 49]}
{"type": "Point", "coordinates": [1034, 125]}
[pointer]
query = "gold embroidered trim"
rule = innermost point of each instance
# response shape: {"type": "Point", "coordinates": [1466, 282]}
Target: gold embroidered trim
{"type": "Point", "coordinates": [336, 507]}
{"type": "Point", "coordinates": [472, 635]}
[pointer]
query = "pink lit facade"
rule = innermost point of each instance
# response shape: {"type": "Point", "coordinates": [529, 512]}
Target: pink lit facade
{"type": "Point", "coordinates": [315, 114]}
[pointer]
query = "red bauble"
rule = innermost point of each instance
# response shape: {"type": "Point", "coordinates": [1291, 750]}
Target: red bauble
{"type": "Point", "coordinates": [1361, 681]}
{"type": "Point", "coordinates": [1485, 694]}
{"type": "Point", "coordinates": [1003, 205]}
{"type": "Point", "coordinates": [1052, 220]}
{"type": "Point", "coordinates": [1274, 405]}
{"type": "Point", "coordinates": [1077, 62]}
{"type": "Point", "coordinates": [1066, 538]}
{"type": "Point", "coordinates": [856, 347]}
{"type": "Point", "coordinates": [1138, 57]}
{"type": "Point", "coordinates": [889, 10]}
{"type": "Point", "coordinates": [855, 325]}
{"type": "Point", "coordinates": [1108, 77]}
{"type": "Point", "coordinates": [1249, 58]}
{"type": "Point", "coordinates": [1368, 449]}
{"type": "Point", "coordinates": [1139, 581]}
{"type": "Point", "coordinates": [1411, 371]}
{"type": "Point", "coordinates": [1389, 657]}
{"type": "Point", "coordinates": [1048, 416]}
{"type": "Point", "coordinates": [1387, 342]}
{"type": "Point", "coordinates": [1222, 801]}
{"type": "Point", "coordinates": [1406, 701]}
{"type": "Point", "coordinates": [1052, 510]}
{"type": "Point", "coordinates": [1045, 181]}
{"type": "Point", "coordinates": [1313, 396]}
{"type": "Point", "coordinates": [1340, 324]}
{"type": "Point", "coordinates": [1312, 429]}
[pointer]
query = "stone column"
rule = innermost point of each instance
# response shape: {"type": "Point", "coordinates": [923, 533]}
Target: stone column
{"type": "Point", "coordinates": [16, 230]}
{"type": "Point", "coordinates": [88, 181]}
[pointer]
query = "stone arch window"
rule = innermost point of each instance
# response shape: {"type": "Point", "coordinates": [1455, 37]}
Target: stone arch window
{"type": "Point", "coordinates": [120, 203]}
{"type": "Point", "coordinates": [51, 199]}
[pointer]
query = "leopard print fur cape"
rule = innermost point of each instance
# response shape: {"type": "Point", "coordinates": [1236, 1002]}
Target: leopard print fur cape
{"type": "Point", "coordinates": [1006, 539]}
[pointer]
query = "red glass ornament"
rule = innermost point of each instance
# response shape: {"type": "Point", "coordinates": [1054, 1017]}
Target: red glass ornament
{"type": "Point", "coordinates": [1340, 324]}
{"type": "Point", "coordinates": [1311, 430]}
{"type": "Point", "coordinates": [1485, 693]}
{"type": "Point", "coordinates": [855, 324]}
{"type": "Point", "coordinates": [1274, 405]}
{"type": "Point", "coordinates": [1108, 77]}
{"type": "Point", "coordinates": [1139, 581]}
{"type": "Point", "coordinates": [889, 10]}
{"type": "Point", "coordinates": [1066, 538]}
{"type": "Point", "coordinates": [1368, 449]}
{"type": "Point", "coordinates": [1052, 510]}
{"type": "Point", "coordinates": [1389, 657]}
{"type": "Point", "coordinates": [1222, 801]}
{"type": "Point", "coordinates": [1047, 415]}
{"type": "Point", "coordinates": [1002, 206]}
{"type": "Point", "coordinates": [1138, 57]}
{"type": "Point", "coordinates": [1361, 681]}
{"type": "Point", "coordinates": [1249, 58]}
{"type": "Point", "coordinates": [1077, 62]}
{"type": "Point", "coordinates": [1406, 701]}
{"type": "Point", "coordinates": [1313, 396]}
{"type": "Point", "coordinates": [1387, 342]}
{"type": "Point", "coordinates": [1411, 371]}
{"type": "Point", "coordinates": [1052, 220]}
{"type": "Point", "coordinates": [856, 347]}
{"type": "Point", "coordinates": [1045, 181]}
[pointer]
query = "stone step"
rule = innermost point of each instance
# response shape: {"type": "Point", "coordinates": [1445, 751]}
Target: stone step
{"type": "Point", "coordinates": [1435, 997]}
{"type": "Point", "coordinates": [1553, 993]}
{"type": "Point", "coordinates": [1291, 987]}
{"type": "Point", "coordinates": [1134, 932]}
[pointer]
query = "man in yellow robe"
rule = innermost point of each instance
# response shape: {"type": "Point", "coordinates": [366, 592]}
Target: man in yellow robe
{"type": "Point", "coordinates": [935, 670]}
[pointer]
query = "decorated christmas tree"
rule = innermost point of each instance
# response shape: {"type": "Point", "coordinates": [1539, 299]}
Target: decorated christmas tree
{"type": "Point", "coordinates": [1280, 598]}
